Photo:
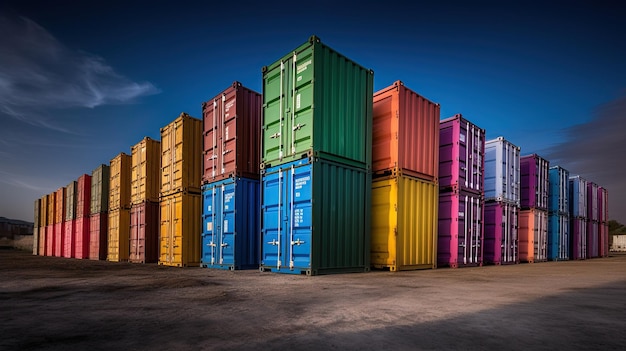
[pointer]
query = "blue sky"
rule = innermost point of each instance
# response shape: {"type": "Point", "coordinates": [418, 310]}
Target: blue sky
{"type": "Point", "coordinates": [80, 83]}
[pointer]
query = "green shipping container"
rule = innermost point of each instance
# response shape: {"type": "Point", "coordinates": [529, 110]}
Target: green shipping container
{"type": "Point", "coordinates": [100, 189]}
{"type": "Point", "coordinates": [315, 99]}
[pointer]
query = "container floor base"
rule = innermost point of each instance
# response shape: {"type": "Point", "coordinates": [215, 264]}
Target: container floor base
{"type": "Point", "coordinates": [178, 264]}
{"type": "Point", "coordinates": [395, 268]}
{"type": "Point", "coordinates": [229, 267]}
{"type": "Point", "coordinates": [308, 271]}
{"type": "Point", "coordinates": [458, 265]}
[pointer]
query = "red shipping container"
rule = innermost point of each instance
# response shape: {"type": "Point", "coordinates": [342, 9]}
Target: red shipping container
{"type": "Point", "coordinates": [49, 251]}
{"type": "Point", "coordinates": [68, 239]}
{"type": "Point", "coordinates": [98, 233]}
{"type": "Point", "coordinates": [81, 237]}
{"type": "Point", "coordinates": [59, 236]}
{"type": "Point", "coordinates": [231, 138]}
{"type": "Point", "coordinates": [405, 133]}
{"type": "Point", "coordinates": [83, 196]}
{"type": "Point", "coordinates": [144, 232]}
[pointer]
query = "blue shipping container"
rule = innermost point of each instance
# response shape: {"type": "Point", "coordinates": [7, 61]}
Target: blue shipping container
{"type": "Point", "coordinates": [558, 237]}
{"type": "Point", "coordinates": [577, 197]}
{"type": "Point", "coordinates": [230, 216]}
{"type": "Point", "coordinates": [558, 199]}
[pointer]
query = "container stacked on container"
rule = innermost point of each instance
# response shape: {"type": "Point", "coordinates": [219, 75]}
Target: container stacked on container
{"type": "Point", "coordinates": [461, 193]}
{"type": "Point", "coordinates": [180, 187]}
{"type": "Point", "coordinates": [603, 224]}
{"type": "Point", "coordinates": [99, 213]}
{"type": "Point", "coordinates": [59, 222]}
{"type": "Point", "coordinates": [578, 217]}
{"type": "Point", "coordinates": [51, 206]}
{"type": "Point", "coordinates": [593, 220]}
{"type": "Point", "coordinates": [36, 224]}
{"type": "Point", "coordinates": [558, 214]}
{"type": "Point", "coordinates": [119, 209]}
{"type": "Point", "coordinates": [230, 178]}
{"type": "Point", "coordinates": [533, 216]}
{"type": "Point", "coordinates": [144, 194]}
{"type": "Point", "coordinates": [502, 201]}
{"type": "Point", "coordinates": [316, 157]}
{"type": "Point", "coordinates": [68, 250]}
{"type": "Point", "coordinates": [82, 234]}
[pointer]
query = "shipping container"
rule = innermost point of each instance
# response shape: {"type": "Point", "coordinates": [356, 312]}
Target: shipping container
{"type": "Point", "coordinates": [405, 135]}
{"type": "Point", "coordinates": [502, 171]}
{"type": "Point", "coordinates": [180, 218]}
{"type": "Point", "coordinates": [315, 99]}
{"type": "Point", "coordinates": [50, 240]}
{"type": "Point", "coordinates": [36, 224]}
{"type": "Point", "coordinates": [593, 213]}
{"type": "Point", "coordinates": [460, 234]}
{"type": "Point", "coordinates": [603, 204]}
{"type": "Point", "coordinates": [100, 189]}
{"type": "Point", "coordinates": [558, 236]}
{"type": "Point", "coordinates": [593, 242]}
{"type": "Point", "coordinates": [144, 232]}
{"type": "Point", "coordinates": [534, 182]}
{"type": "Point", "coordinates": [181, 160]}
{"type": "Point", "coordinates": [68, 249]}
{"type": "Point", "coordinates": [603, 229]}
{"type": "Point", "coordinates": [118, 238]}
{"type": "Point", "coordinates": [36, 240]}
{"type": "Point", "coordinates": [532, 235]}
{"type": "Point", "coordinates": [70, 201]}
{"type": "Point", "coordinates": [83, 196]}
{"type": "Point", "coordinates": [145, 171]}
{"type": "Point", "coordinates": [558, 200]}
{"type": "Point", "coordinates": [500, 233]}
{"type": "Point", "coordinates": [231, 225]}
{"type": "Point", "coordinates": [59, 214]}
{"type": "Point", "coordinates": [461, 155]}
{"type": "Point", "coordinates": [315, 218]}
{"type": "Point", "coordinates": [59, 239]}
{"type": "Point", "coordinates": [404, 223]}
{"type": "Point", "coordinates": [52, 205]}
{"type": "Point", "coordinates": [98, 236]}
{"type": "Point", "coordinates": [82, 237]}
{"type": "Point", "coordinates": [578, 238]}
{"type": "Point", "coordinates": [119, 182]}
{"type": "Point", "coordinates": [231, 138]}
{"type": "Point", "coordinates": [578, 196]}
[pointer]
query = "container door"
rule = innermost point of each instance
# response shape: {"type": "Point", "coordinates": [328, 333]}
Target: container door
{"type": "Point", "coordinates": [469, 233]}
{"type": "Point", "coordinates": [300, 215]}
{"type": "Point", "coordinates": [475, 152]}
{"type": "Point", "coordinates": [509, 234]}
{"type": "Point", "coordinates": [213, 121]}
{"type": "Point", "coordinates": [227, 232]}
{"type": "Point", "coordinates": [272, 251]}
{"type": "Point", "coordinates": [134, 233]}
{"type": "Point", "coordinates": [212, 228]}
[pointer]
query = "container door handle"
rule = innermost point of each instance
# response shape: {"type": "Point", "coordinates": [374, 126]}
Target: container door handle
{"type": "Point", "coordinates": [292, 186]}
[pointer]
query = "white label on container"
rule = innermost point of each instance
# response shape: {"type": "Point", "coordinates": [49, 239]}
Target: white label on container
{"type": "Point", "coordinates": [209, 208]}
{"type": "Point", "coordinates": [228, 197]}
{"type": "Point", "coordinates": [298, 215]}
{"type": "Point", "coordinates": [300, 182]}
{"type": "Point", "coordinates": [298, 101]}
{"type": "Point", "coordinates": [227, 108]}
{"type": "Point", "coordinates": [225, 226]}
{"type": "Point", "coordinates": [209, 226]}
{"type": "Point", "coordinates": [462, 138]}
{"type": "Point", "coordinates": [226, 133]}
{"type": "Point", "coordinates": [303, 66]}
{"type": "Point", "coordinates": [461, 214]}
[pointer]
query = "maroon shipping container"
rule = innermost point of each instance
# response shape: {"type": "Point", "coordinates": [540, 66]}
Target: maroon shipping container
{"type": "Point", "coordinates": [231, 138]}
{"type": "Point", "coordinates": [59, 236]}
{"type": "Point", "coordinates": [500, 244]}
{"type": "Point", "coordinates": [593, 239]}
{"type": "Point", "coordinates": [82, 236]}
{"type": "Point", "coordinates": [50, 240]}
{"type": "Point", "coordinates": [461, 154]}
{"type": "Point", "coordinates": [534, 182]}
{"type": "Point", "coordinates": [144, 232]}
{"type": "Point", "coordinates": [83, 196]}
{"type": "Point", "coordinates": [98, 233]}
{"type": "Point", "coordinates": [68, 239]}
{"type": "Point", "coordinates": [460, 231]}
{"type": "Point", "coordinates": [593, 213]}
{"type": "Point", "coordinates": [578, 238]}
{"type": "Point", "coordinates": [603, 229]}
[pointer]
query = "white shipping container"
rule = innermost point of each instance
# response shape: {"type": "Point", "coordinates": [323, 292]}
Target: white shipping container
{"type": "Point", "coordinates": [502, 171]}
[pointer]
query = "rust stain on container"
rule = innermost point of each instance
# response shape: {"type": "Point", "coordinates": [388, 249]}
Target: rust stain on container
{"type": "Point", "coordinates": [181, 150]}
{"type": "Point", "coordinates": [145, 171]}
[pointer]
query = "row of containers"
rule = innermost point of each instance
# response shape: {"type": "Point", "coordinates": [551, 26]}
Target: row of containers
{"type": "Point", "coordinates": [319, 174]}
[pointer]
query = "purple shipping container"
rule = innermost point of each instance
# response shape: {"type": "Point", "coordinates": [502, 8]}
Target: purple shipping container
{"type": "Point", "coordinates": [603, 208]}
{"type": "Point", "coordinates": [500, 244]}
{"type": "Point", "coordinates": [593, 249]}
{"type": "Point", "coordinates": [592, 202]}
{"type": "Point", "coordinates": [578, 238]}
{"type": "Point", "coordinates": [577, 197]}
{"type": "Point", "coordinates": [461, 154]}
{"type": "Point", "coordinates": [534, 182]}
{"type": "Point", "coordinates": [460, 232]}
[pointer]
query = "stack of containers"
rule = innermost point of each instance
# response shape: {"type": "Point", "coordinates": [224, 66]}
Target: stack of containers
{"type": "Point", "coordinates": [59, 223]}
{"type": "Point", "coordinates": [502, 201]}
{"type": "Point", "coordinates": [180, 198]}
{"type": "Point", "coordinates": [119, 209]}
{"type": "Point", "coordinates": [144, 195]}
{"type": "Point", "coordinates": [316, 159]}
{"type": "Point", "coordinates": [230, 178]}
{"type": "Point", "coordinates": [36, 225]}
{"type": "Point", "coordinates": [578, 217]}
{"type": "Point", "coordinates": [99, 213]}
{"type": "Point", "coordinates": [461, 193]}
{"type": "Point", "coordinates": [558, 214]}
{"type": "Point", "coordinates": [533, 217]}
{"type": "Point", "coordinates": [593, 220]}
{"type": "Point", "coordinates": [68, 250]}
{"type": "Point", "coordinates": [43, 222]}
{"type": "Point", "coordinates": [603, 224]}
{"type": "Point", "coordinates": [50, 227]}
{"type": "Point", "coordinates": [82, 228]}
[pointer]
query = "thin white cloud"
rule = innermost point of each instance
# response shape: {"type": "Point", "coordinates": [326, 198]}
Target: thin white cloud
{"type": "Point", "coordinates": [38, 73]}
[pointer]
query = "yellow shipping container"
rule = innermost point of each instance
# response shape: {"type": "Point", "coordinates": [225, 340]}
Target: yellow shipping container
{"type": "Point", "coordinates": [119, 182]}
{"type": "Point", "coordinates": [118, 235]}
{"type": "Point", "coordinates": [59, 209]}
{"type": "Point", "coordinates": [51, 199]}
{"type": "Point", "coordinates": [181, 230]}
{"type": "Point", "coordinates": [181, 155]}
{"type": "Point", "coordinates": [404, 223]}
{"type": "Point", "coordinates": [145, 171]}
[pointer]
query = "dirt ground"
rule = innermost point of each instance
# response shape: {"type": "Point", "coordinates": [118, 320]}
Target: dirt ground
{"type": "Point", "coordinates": [50, 303]}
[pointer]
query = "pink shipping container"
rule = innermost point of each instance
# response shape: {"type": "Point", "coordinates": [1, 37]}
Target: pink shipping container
{"type": "Point", "coordinates": [593, 239]}
{"type": "Point", "coordinates": [405, 133]}
{"type": "Point", "coordinates": [50, 240]}
{"type": "Point", "coordinates": [144, 232]}
{"type": "Point", "coordinates": [68, 239]}
{"type": "Point", "coordinates": [500, 233]}
{"type": "Point", "coordinates": [98, 231]}
{"type": "Point", "coordinates": [532, 235]}
{"type": "Point", "coordinates": [83, 196]}
{"type": "Point", "coordinates": [59, 236]}
{"type": "Point", "coordinates": [534, 182]}
{"type": "Point", "coordinates": [460, 232]}
{"type": "Point", "coordinates": [82, 237]}
{"type": "Point", "coordinates": [231, 138]}
{"type": "Point", "coordinates": [593, 213]}
{"type": "Point", "coordinates": [461, 154]}
{"type": "Point", "coordinates": [578, 238]}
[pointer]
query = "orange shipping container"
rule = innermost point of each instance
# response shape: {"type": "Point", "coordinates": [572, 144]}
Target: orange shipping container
{"type": "Point", "coordinates": [119, 182]}
{"type": "Point", "coordinates": [532, 235]}
{"type": "Point", "coordinates": [52, 203]}
{"type": "Point", "coordinates": [59, 210]}
{"type": "Point", "coordinates": [118, 238]}
{"type": "Point", "coordinates": [181, 155]}
{"type": "Point", "coordinates": [405, 136]}
{"type": "Point", "coordinates": [180, 230]}
{"type": "Point", "coordinates": [145, 171]}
